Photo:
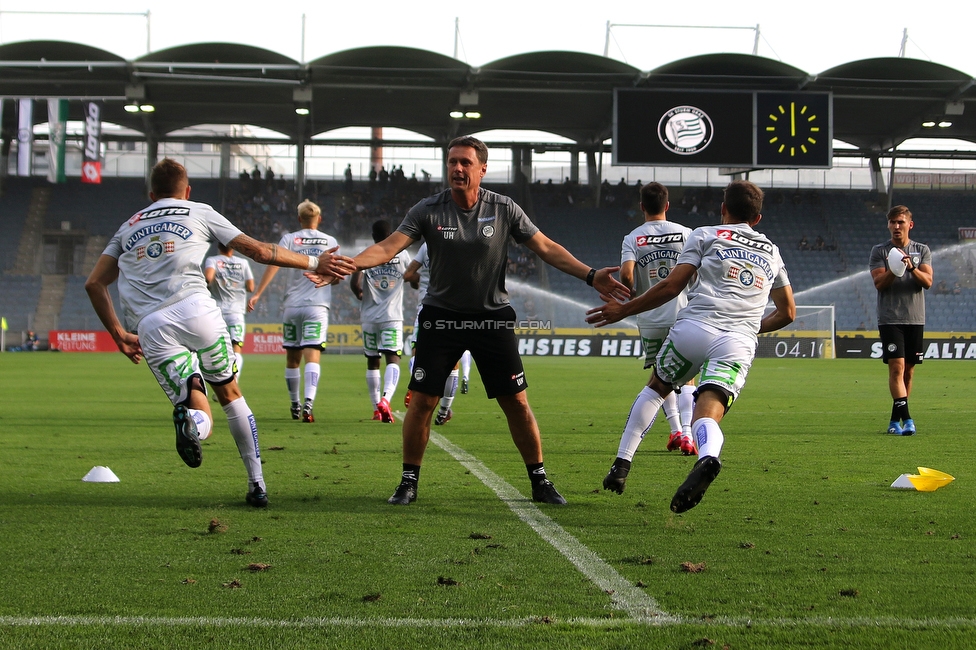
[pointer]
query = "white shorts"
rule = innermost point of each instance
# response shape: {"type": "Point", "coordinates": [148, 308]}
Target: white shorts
{"type": "Point", "coordinates": [185, 339]}
{"type": "Point", "coordinates": [652, 338]}
{"type": "Point", "coordinates": [235, 327]}
{"type": "Point", "coordinates": [305, 327]}
{"type": "Point", "coordinates": [383, 336]}
{"type": "Point", "coordinates": [724, 358]}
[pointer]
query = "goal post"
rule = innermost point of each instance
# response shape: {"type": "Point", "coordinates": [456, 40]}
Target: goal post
{"type": "Point", "coordinates": [809, 336]}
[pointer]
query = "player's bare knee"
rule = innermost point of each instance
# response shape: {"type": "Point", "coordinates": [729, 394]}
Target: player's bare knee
{"type": "Point", "coordinates": [712, 401]}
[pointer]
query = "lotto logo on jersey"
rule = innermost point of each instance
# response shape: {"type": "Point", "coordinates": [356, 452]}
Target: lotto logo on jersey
{"type": "Point", "coordinates": [311, 241]}
{"type": "Point", "coordinates": [731, 235]}
{"type": "Point", "coordinates": [447, 231]}
{"type": "Point", "coordinates": [651, 240]}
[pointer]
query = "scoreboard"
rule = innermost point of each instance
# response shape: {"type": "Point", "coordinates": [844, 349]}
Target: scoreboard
{"type": "Point", "coordinates": [745, 129]}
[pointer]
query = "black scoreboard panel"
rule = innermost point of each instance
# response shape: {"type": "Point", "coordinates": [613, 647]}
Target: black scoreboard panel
{"type": "Point", "coordinates": [722, 129]}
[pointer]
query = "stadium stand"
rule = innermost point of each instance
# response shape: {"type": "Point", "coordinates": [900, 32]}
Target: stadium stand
{"type": "Point", "coordinates": [18, 300]}
{"type": "Point", "coordinates": [825, 237]}
{"type": "Point", "coordinates": [13, 212]}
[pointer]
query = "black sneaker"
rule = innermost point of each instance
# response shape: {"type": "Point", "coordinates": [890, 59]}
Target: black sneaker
{"type": "Point", "coordinates": [405, 494]}
{"type": "Point", "coordinates": [545, 492]}
{"type": "Point", "coordinates": [307, 413]}
{"type": "Point", "coordinates": [187, 442]}
{"type": "Point", "coordinates": [616, 479]}
{"type": "Point", "coordinates": [464, 386]}
{"type": "Point", "coordinates": [693, 489]}
{"type": "Point", "coordinates": [296, 410]}
{"type": "Point", "coordinates": [443, 417]}
{"type": "Point", "coordinates": [257, 497]}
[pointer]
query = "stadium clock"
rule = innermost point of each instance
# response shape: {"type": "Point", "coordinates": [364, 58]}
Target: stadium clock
{"type": "Point", "coordinates": [793, 129]}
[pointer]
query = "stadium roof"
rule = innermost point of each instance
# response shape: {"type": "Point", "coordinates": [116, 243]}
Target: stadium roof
{"type": "Point", "coordinates": [878, 103]}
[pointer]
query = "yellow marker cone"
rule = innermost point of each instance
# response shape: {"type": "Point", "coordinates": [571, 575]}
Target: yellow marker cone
{"type": "Point", "coordinates": [927, 480]}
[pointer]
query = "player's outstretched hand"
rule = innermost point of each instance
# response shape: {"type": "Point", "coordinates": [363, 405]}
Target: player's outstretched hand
{"type": "Point", "coordinates": [130, 347]}
{"type": "Point", "coordinates": [337, 266]}
{"type": "Point", "coordinates": [611, 312]}
{"type": "Point", "coordinates": [607, 285]}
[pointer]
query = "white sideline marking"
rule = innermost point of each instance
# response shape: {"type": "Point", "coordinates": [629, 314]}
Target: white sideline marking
{"type": "Point", "coordinates": [883, 622]}
{"type": "Point", "coordinates": [623, 594]}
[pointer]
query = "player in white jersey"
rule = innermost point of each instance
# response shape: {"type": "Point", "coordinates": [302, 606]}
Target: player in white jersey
{"type": "Point", "coordinates": [648, 255]}
{"type": "Point", "coordinates": [419, 272]}
{"type": "Point", "coordinates": [381, 291]}
{"type": "Point", "coordinates": [305, 321]}
{"type": "Point", "coordinates": [739, 270]}
{"type": "Point", "coordinates": [171, 318]}
{"type": "Point", "coordinates": [230, 280]}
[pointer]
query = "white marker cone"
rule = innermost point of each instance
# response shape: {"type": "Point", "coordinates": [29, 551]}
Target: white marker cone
{"type": "Point", "coordinates": [99, 474]}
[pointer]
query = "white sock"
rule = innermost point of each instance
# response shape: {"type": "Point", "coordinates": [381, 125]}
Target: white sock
{"type": "Point", "coordinates": [204, 423]}
{"type": "Point", "coordinates": [641, 418]}
{"type": "Point", "coordinates": [373, 386]}
{"type": "Point", "coordinates": [709, 437]}
{"type": "Point", "coordinates": [293, 378]}
{"type": "Point", "coordinates": [450, 388]}
{"type": "Point", "coordinates": [671, 411]}
{"type": "Point", "coordinates": [245, 431]}
{"type": "Point", "coordinates": [311, 381]}
{"type": "Point", "coordinates": [466, 365]}
{"type": "Point", "coordinates": [686, 405]}
{"type": "Point", "coordinates": [240, 364]}
{"type": "Point", "coordinates": [390, 380]}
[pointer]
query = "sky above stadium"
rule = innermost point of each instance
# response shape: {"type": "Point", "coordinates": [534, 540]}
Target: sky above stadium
{"type": "Point", "coordinates": [811, 36]}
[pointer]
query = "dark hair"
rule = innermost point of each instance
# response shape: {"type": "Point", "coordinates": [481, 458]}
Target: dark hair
{"type": "Point", "coordinates": [654, 198]}
{"type": "Point", "coordinates": [743, 200]}
{"type": "Point", "coordinates": [899, 210]}
{"type": "Point", "coordinates": [474, 143]}
{"type": "Point", "coordinates": [167, 179]}
{"type": "Point", "coordinates": [223, 249]}
{"type": "Point", "coordinates": [381, 230]}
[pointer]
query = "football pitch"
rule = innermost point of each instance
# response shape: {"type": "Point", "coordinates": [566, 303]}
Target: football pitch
{"type": "Point", "coordinates": [800, 542]}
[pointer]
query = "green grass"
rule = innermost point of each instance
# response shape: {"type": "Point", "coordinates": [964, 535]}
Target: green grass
{"type": "Point", "coordinates": [803, 541]}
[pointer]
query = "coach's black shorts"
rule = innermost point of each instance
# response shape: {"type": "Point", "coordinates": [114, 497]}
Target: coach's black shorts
{"type": "Point", "coordinates": [444, 335]}
{"type": "Point", "coordinates": [902, 342]}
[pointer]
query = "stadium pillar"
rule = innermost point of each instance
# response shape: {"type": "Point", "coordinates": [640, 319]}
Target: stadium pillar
{"type": "Point", "coordinates": [224, 175]}
{"type": "Point", "coordinates": [300, 164]}
{"type": "Point", "coordinates": [574, 166]}
{"type": "Point", "coordinates": [4, 158]}
{"type": "Point", "coordinates": [592, 173]}
{"type": "Point", "coordinates": [376, 148]}
{"type": "Point", "coordinates": [877, 175]}
{"type": "Point", "coordinates": [152, 154]}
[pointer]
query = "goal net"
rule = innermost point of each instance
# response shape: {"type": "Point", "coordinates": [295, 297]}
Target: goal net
{"type": "Point", "coordinates": [809, 336]}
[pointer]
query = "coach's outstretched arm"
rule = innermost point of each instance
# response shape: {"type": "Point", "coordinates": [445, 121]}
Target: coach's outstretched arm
{"type": "Point", "coordinates": [785, 311]}
{"type": "Point", "coordinates": [556, 256]}
{"type": "Point", "coordinates": [106, 272]}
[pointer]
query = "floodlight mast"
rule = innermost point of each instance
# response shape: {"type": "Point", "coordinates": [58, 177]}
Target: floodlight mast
{"type": "Point", "coordinates": [610, 26]}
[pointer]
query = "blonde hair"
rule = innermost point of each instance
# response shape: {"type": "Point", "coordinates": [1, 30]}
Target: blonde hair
{"type": "Point", "coordinates": [308, 211]}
